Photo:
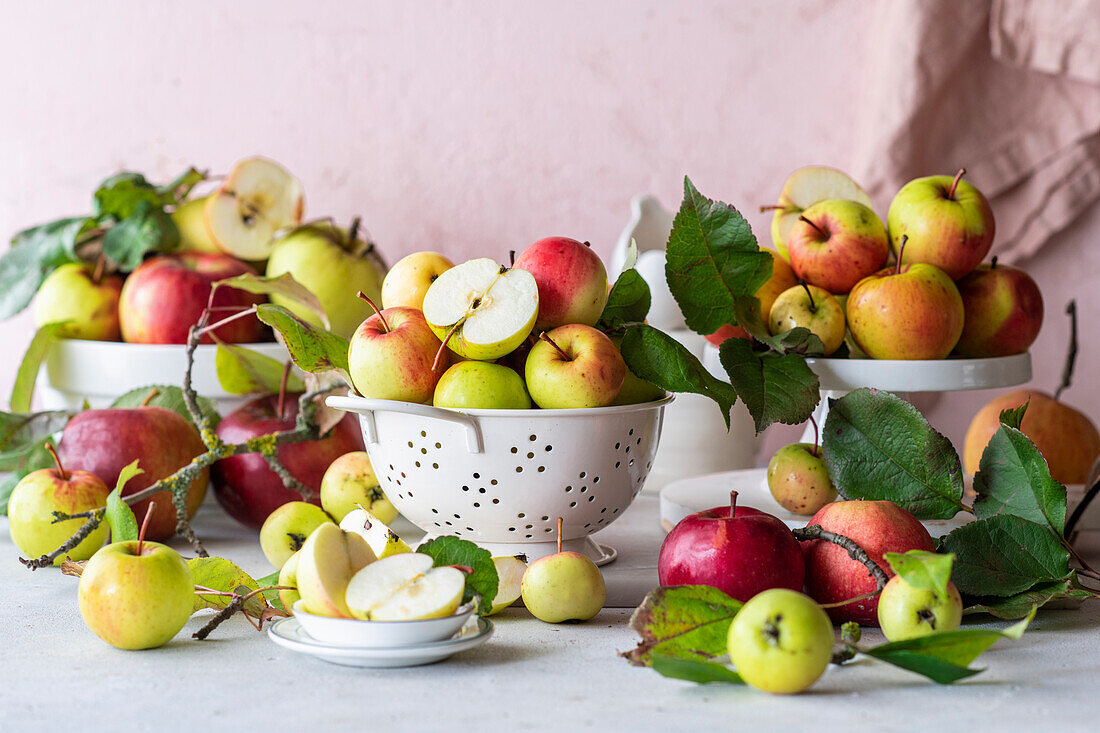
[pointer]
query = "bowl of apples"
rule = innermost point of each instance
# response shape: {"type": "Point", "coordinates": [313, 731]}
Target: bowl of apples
{"type": "Point", "coordinates": [461, 442]}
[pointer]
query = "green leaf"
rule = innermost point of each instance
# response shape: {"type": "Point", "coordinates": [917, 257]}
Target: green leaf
{"type": "Point", "coordinates": [22, 392]}
{"type": "Point", "coordinates": [121, 194]}
{"type": "Point", "coordinates": [923, 569]}
{"type": "Point", "coordinates": [120, 517]}
{"type": "Point", "coordinates": [271, 596]}
{"type": "Point", "coordinates": [217, 573]}
{"type": "Point", "coordinates": [878, 446]}
{"type": "Point", "coordinates": [1019, 605]}
{"type": "Point", "coordinates": [682, 621]}
{"type": "Point", "coordinates": [147, 229]}
{"type": "Point", "coordinates": [23, 437]}
{"type": "Point", "coordinates": [1004, 555]}
{"type": "Point", "coordinates": [312, 349]}
{"type": "Point", "coordinates": [482, 582]}
{"type": "Point", "coordinates": [176, 190]}
{"type": "Point", "coordinates": [241, 371]}
{"type": "Point", "coordinates": [775, 387]}
{"type": "Point", "coordinates": [284, 285]}
{"type": "Point", "coordinates": [695, 670]}
{"type": "Point", "coordinates": [170, 397]}
{"type": "Point", "coordinates": [628, 302]}
{"type": "Point", "coordinates": [1013, 478]}
{"type": "Point", "coordinates": [7, 485]}
{"type": "Point", "coordinates": [712, 259]}
{"type": "Point", "coordinates": [1013, 417]}
{"type": "Point", "coordinates": [796, 341]}
{"type": "Point", "coordinates": [34, 253]}
{"type": "Point", "coordinates": [656, 357]}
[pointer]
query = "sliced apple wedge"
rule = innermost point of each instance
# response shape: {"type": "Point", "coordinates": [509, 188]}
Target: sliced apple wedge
{"type": "Point", "coordinates": [382, 540]}
{"type": "Point", "coordinates": [804, 188]}
{"type": "Point", "coordinates": [510, 569]}
{"type": "Point", "coordinates": [257, 199]}
{"type": "Point", "coordinates": [405, 587]}
{"type": "Point", "coordinates": [288, 576]}
{"type": "Point", "coordinates": [482, 310]}
{"type": "Point", "coordinates": [326, 563]}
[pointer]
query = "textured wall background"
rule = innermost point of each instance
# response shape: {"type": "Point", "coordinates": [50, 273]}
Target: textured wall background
{"type": "Point", "coordinates": [471, 128]}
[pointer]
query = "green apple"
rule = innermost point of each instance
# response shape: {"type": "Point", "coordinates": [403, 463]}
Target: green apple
{"type": "Point", "coordinates": [635, 390]}
{"type": "Point", "coordinates": [947, 221]}
{"type": "Point", "coordinates": [1003, 311]}
{"type": "Point", "coordinates": [285, 530]}
{"type": "Point", "coordinates": [510, 571]}
{"type": "Point", "coordinates": [480, 385]}
{"type": "Point", "coordinates": [41, 493]}
{"type": "Point", "coordinates": [334, 267]}
{"type": "Point", "coordinates": [190, 219]}
{"type": "Point", "coordinates": [804, 188]}
{"type": "Point", "coordinates": [405, 588]}
{"type": "Point", "coordinates": [349, 482]}
{"type": "Point", "coordinates": [73, 293]}
{"type": "Point", "coordinates": [326, 563]}
{"type": "Point", "coordinates": [409, 279]}
{"type": "Point", "coordinates": [810, 307]}
{"type": "Point", "coordinates": [136, 595]}
{"type": "Point", "coordinates": [383, 541]}
{"type": "Point", "coordinates": [574, 366]}
{"type": "Point", "coordinates": [906, 612]}
{"type": "Point", "coordinates": [836, 243]}
{"type": "Point", "coordinates": [565, 586]}
{"type": "Point", "coordinates": [288, 576]}
{"type": "Point", "coordinates": [482, 310]}
{"type": "Point", "coordinates": [780, 641]}
{"type": "Point", "coordinates": [799, 480]}
{"type": "Point", "coordinates": [258, 198]}
{"type": "Point", "coordinates": [395, 355]}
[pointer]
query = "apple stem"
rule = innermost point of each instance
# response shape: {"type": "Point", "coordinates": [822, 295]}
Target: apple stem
{"type": "Point", "coordinates": [100, 266]}
{"type": "Point", "coordinates": [353, 231]}
{"type": "Point", "coordinates": [901, 250]}
{"type": "Point", "coordinates": [772, 207]}
{"type": "Point", "coordinates": [443, 345]}
{"type": "Point", "coordinates": [817, 434]}
{"type": "Point", "coordinates": [813, 306]}
{"type": "Point", "coordinates": [280, 405]}
{"type": "Point", "coordinates": [993, 263]}
{"type": "Point", "coordinates": [819, 230]}
{"type": "Point", "coordinates": [385, 326]}
{"type": "Point", "coordinates": [955, 183]}
{"type": "Point", "coordinates": [512, 257]}
{"type": "Point", "coordinates": [1071, 354]}
{"type": "Point", "coordinates": [57, 461]}
{"type": "Point", "coordinates": [560, 522]}
{"type": "Point", "coordinates": [145, 524]}
{"type": "Point", "coordinates": [733, 503]}
{"type": "Point", "coordinates": [546, 337]}
{"type": "Point", "coordinates": [149, 397]}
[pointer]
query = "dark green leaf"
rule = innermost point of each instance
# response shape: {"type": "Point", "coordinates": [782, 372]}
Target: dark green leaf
{"type": "Point", "coordinates": [170, 397]}
{"type": "Point", "coordinates": [878, 446]}
{"type": "Point", "coordinates": [1019, 605]}
{"type": "Point", "coordinates": [628, 302]}
{"type": "Point", "coordinates": [23, 437]}
{"type": "Point", "coordinates": [1013, 478]}
{"type": "Point", "coordinates": [775, 387]}
{"type": "Point", "coordinates": [682, 621]}
{"type": "Point", "coordinates": [242, 371]}
{"type": "Point", "coordinates": [23, 392]}
{"type": "Point", "coordinates": [313, 349]}
{"type": "Point", "coordinates": [923, 569]}
{"type": "Point", "coordinates": [283, 285]}
{"type": "Point", "coordinates": [120, 517]}
{"type": "Point", "coordinates": [1013, 417]}
{"type": "Point", "coordinates": [658, 358]}
{"type": "Point", "coordinates": [1004, 555]}
{"type": "Point", "coordinates": [482, 582]}
{"type": "Point", "coordinates": [34, 253]}
{"type": "Point", "coordinates": [121, 194]}
{"type": "Point", "coordinates": [936, 669]}
{"type": "Point", "coordinates": [695, 670]}
{"type": "Point", "coordinates": [712, 259]}
{"type": "Point", "coordinates": [176, 190]}
{"type": "Point", "coordinates": [796, 341]}
{"type": "Point", "coordinates": [147, 229]}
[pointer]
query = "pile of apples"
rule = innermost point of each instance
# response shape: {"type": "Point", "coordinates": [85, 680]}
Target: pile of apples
{"type": "Point", "coordinates": [832, 271]}
{"type": "Point", "coordinates": [481, 335]}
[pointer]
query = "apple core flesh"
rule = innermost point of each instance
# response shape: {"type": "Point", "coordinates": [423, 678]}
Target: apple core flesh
{"type": "Point", "coordinates": [405, 588]}
{"type": "Point", "coordinates": [326, 564]}
{"type": "Point", "coordinates": [804, 188]}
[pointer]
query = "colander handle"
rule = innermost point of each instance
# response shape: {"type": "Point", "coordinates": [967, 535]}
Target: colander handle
{"type": "Point", "coordinates": [366, 408]}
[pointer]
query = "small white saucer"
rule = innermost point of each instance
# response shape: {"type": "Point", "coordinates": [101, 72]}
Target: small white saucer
{"type": "Point", "coordinates": [288, 632]}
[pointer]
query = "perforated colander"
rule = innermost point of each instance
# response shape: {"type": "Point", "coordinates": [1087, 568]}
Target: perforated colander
{"type": "Point", "coordinates": [501, 478]}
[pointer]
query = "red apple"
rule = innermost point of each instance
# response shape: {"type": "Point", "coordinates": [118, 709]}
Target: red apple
{"type": "Point", "coordinates": [836, 243]}
{"type": "Point", "coordinates": [103, 442]}
{"type": "Point", "coordinates": [395, 355]}
{"type": "Point", "coordinates": [728, 331]}
{"type": "Point", "coordinates": [244, 484]}
{"type": "Point", "coordinates": [1003, 311]}
{"type": "Point", "coordinates": [876, 526]}
{"type": "Point", "coordinates": [739, 550]}
{"type": "Point", "coordinates": [571, 279]}
{"type": "Point", "coordinates": [167, 294]}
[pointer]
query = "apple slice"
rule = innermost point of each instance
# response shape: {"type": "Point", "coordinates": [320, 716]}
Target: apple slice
{"type": "Point", "coordinates": [288, 576]}
{"type": "Point", "coordinates": [326, 563]}
{"type": "Point", "coordinates": [257, 199]}
{"type": "Point", "coordinates": [405, 587]}
{"type": "Point", "coordinates": [382, 540]}
{"type": "Point", "coordinates": [482, 310]}
{"type": "Point", "coordinates": [510, 571]}
{"type": "Point", "coordinates": [804, 188]}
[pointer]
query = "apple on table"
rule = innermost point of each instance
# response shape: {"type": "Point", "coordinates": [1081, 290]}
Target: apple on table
{"type": "Point", "coordinates": [285, 530]}
{"type": "Point", "coordinates": [564, 586]}
{"type": "Point", "coordinates": [350, 482]}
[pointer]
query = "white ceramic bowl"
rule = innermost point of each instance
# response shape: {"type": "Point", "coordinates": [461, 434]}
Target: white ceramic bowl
{"type": "Point", "coordinates": [350, 632]}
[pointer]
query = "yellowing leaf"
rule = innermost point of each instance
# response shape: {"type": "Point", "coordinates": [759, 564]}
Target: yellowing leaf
{"type": "Point", "coordinates": [217, 573]}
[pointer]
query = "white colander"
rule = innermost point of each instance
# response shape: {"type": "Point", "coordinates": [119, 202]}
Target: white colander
{"type": "Point", "coordinates": [501, 478]}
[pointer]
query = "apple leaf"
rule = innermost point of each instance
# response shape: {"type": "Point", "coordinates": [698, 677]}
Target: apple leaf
{"type": "Point", "coordinates": [1013, 478]}
{"type": "Point", "coordinates": [313, 349]}
{"type": "Point", "coordinates": [44, 338]}
{"type": "Point", "coordinates": [878, 446]}
{"type": "Point", "coordinates": [147, 229]}
{"type": "Point", "coordinates": [284, 285]}
{"type": "Point", "coordinates": [1019, 605]}
{"type": "Point", "coordinates": [796, 341]}
{"type": "Point", "coordinates": [8, 482]}
{"type": "Point", "coordinates": [656, 357]}
{"type": "Point", "coordinates": [628, 302]}
{"type": "Point", "coordinates": [482, 582]}
{"type": "Point", "coordinates": [775, 387]}
{"type": "Point", "coordinates": [695, 670]}
{"type": "Point", "coordinates": [34, 253]}
{"type": "Point", "coordinates": [1013, 417]}
{"type": "Point", "coordinates": [682, 621]}
{"type": "Point", "coordinates": [120, 517]}
{"type": "Point", "coordinates": [170, 397]}
{"type": "Point", "coordinates": [23, 437]}
{"type": "Point", "coordinates": [121, 194]}
{"type": "Point", "coordinates": [242, 371]}
{"type": "Point", "coordinates": [219, 574]}
{"type": "Point", "coordinates": [1004, 555]}
{"type": "Point", "coordinates": [712, 259]}
{"type": "Point", "coordinates": [177, 190]}
{"type": "Point", "coordinates": [923, 569]}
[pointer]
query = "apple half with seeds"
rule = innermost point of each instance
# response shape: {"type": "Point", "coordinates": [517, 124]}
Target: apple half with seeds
{"type": "Point", "coordinates": [405, 587]}
{"type": "Point", "coordinates": [257, 199]}
{"type": "Point", "coordinates": [327, 562]}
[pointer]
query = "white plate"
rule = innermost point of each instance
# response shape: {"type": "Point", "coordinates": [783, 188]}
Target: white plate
{"type": "Point", "coordinates": [288, 632]}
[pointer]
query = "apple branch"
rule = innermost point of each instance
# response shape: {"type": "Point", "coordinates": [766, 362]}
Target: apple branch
{"type": "Point", "coordinates": [857, 553]}
{"type": "Point", "coordinates": [1071, 354]}
{"type": "Point", "coordinates": [86, 529]}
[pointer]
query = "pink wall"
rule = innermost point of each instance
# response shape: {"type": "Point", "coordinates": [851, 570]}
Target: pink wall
{"type": "Point", "coordinates": [473, 128]}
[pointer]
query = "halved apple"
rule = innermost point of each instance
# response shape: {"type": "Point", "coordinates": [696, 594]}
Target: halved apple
{"type": "Point", "coordinates": [405, 587]}
{"type": "Point", "coordinates": [326, 563]}
{"type": "Point", "coordinates": [510, 569]}
{"type": "Point", "coordinates": [257, 199]}
{"type": "Point", "coordinates": [482, 310]}
{"type": "Point", "coordinates": [288, 576]}
{"type": "Point", "coordinates": [804, 188]}
{"type": "Point", "coordinates": [382, 540]}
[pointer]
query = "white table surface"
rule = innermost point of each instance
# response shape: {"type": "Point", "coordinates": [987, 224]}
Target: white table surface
{"type": "Point", "coordinates": [56, 675]}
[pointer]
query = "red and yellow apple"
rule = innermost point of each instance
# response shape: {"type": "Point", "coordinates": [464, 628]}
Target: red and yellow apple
{"type": "Point", "coordinates": [571, 279]}
{"type": "Point", "coordinates": [804, 188]}
{"type": "Point", "coordinates": [574, 366]}
{"type": "Point", "coordinates": [836, 243]}
{"type": "Point", "coordinates": [813, 308]}
{"type": "Point", "coordinates": [1003, 311]}
{"type": "Point", "coordinates": [392, 354]}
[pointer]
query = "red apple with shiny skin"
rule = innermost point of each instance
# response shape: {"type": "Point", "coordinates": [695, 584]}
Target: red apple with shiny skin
{"type": "Point", "coordinates": [167, 294]}
{"type": "Point", "coordinates": [1003, 311]}
{"type": "Point", "coordinates": [244, 484]}
{"type": "Point", "coordinates": [876, 526]}
{"type": "Point", "coordinates": [571, 279]}
{"type": "Point", "coordinates": [739, 550]}
{"type": "Point", "coordinates": [836, 243]}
